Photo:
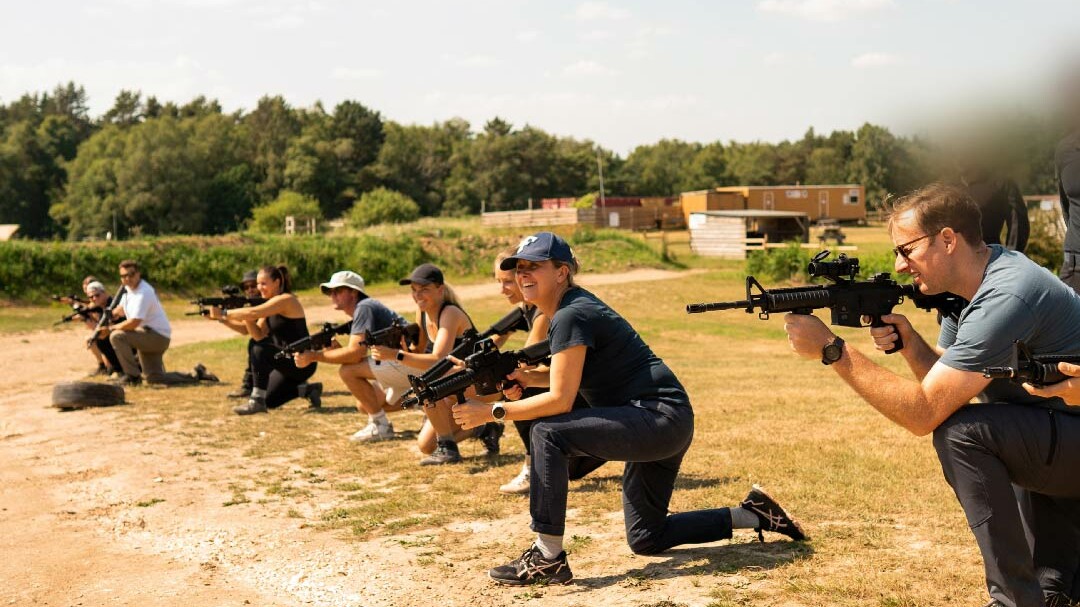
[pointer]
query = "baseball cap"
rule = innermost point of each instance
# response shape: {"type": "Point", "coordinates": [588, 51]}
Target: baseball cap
{"type": "Point", "coordinates": [424, 274]}
{"type": "Point", "coordinates": [344, 278]}
{"type": "Point", "coordinates": [540, 247]}
{"type": "Point", "coordinates": [250, 276]}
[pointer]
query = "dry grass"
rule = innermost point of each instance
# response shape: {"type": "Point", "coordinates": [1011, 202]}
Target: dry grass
{"type": "Point", "coordinates": [885, 527]}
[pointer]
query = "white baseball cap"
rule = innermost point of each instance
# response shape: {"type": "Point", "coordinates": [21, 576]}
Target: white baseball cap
{"type": "Point", "coordinates": [344, 278]}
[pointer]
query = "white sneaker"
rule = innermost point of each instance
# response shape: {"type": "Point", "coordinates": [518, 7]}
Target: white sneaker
{"type": "Point", "coordinates": [520, 483]}
{"type": "Point", "coordinates": [373, 432]}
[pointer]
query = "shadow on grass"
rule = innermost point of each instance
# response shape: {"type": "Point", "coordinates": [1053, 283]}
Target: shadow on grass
{"type": "Point", "coordinates": [330, 410]}
{"type": "Point", "coordinates": [728, 559]}
{"type": "Point", "coordinates": [601, 484]}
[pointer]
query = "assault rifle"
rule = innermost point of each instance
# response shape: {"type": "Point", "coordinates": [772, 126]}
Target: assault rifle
{"type": "Point", "coordinates": [107, 315]}
{"type": "Point", "coordinates": [486, 369]}
{"type": "Point", "coordinates": [847, 299]}
{"type": "Point", "coordinates": [1039, 371]}
{"type": "Point", "coordinates": [315, 341]}
{"type": "Point", "coordinates": [232, 300]}
{"type": "Point", "coordinates": [514, 321]}
{"type": "Point", "coordinates": [391, 336]}
{"type": "Point", "coordinates": [80, 311]}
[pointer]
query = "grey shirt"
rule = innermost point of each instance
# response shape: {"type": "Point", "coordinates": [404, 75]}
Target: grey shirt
{"type": "Point", "coordinates": [371, 315]}
{"type": "Point", "coordinates": [1017, 300]}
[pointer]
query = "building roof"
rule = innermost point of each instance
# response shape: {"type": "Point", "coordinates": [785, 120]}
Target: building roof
{"type": "Point", "coordinates": [7, 230]}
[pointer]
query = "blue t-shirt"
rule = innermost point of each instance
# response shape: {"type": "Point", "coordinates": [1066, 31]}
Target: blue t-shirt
{"type": "Point", "coordinates": [371, 315]}
{"type": "Point", "coordinates": [1017, 300]}
{"type": "Point", "coordinates": [619, 366]}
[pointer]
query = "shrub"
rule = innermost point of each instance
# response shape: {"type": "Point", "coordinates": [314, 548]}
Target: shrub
{"type": "Point", "coordinates": [270, 218]}
{"type": "Point", "coordinates": [587, 201]}
{"type": "Point", "coordinates": [1044, 245]}
{"type": "Point", "coordinates": [382, 206]}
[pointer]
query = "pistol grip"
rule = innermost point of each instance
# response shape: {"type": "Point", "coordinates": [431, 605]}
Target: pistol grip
{"type": "Point", "coordinates": [875, 321]}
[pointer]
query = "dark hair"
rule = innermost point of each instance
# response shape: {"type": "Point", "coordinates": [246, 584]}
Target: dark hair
{"type": "Point", "coordinates": [130, 264]}
{"type": "Point", "coordinates": [939, 206]}
{"type": "Point", "coordinates": [280, 273]}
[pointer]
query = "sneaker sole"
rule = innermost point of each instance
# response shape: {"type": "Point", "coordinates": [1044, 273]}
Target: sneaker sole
{"type": "Point", "coordinates": [519, 583]}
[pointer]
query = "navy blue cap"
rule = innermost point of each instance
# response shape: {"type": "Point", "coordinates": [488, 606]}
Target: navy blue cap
{"type": "Point", "coordinates": [540, 247]}
{"type": "Point", "coordinates": [424, 274]}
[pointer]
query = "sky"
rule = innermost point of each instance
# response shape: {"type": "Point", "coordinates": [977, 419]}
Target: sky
{"type": "Point", "coordinates": [622, 74]}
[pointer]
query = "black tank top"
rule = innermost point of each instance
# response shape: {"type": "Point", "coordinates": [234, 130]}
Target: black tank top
{"type": "Point", "coordinates": [284, 331]}
{"type": "Point", "coordinates": [431, 341]}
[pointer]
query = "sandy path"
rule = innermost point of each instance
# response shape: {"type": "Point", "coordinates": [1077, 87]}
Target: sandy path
{"type": "Point", "coordinates": [73, 532]}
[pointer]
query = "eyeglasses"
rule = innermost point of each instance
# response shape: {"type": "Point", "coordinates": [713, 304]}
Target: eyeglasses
{"type": "Point", "coordinates": [125, 275]}
{"type": "Point", "coordinates": [903, 250]}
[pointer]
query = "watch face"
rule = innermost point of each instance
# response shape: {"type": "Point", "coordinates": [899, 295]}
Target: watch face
{"type": "Point", "coordinates": [832, 352]}
{"type": "Point", "coordinates": [498, 412]}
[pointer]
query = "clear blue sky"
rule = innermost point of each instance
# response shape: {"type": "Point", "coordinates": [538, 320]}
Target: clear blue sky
{"type": "Point", "coordinates": [619, 73]}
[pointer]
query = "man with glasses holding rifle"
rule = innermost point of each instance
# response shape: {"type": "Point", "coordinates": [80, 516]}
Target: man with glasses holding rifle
{"type": "Point", "coordinates": [1010, 457]}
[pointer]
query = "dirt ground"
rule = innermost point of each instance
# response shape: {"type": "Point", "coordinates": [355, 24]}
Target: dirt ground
{"type": "Point", "coordinates": [75, 530]}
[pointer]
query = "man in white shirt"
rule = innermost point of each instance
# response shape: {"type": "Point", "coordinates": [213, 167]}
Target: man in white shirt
{"type": "Point", "coordinates": [146, 332]}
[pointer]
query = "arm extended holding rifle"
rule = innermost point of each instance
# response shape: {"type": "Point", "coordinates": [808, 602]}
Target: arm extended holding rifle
{"type": "Point", "coordinates": [514, 321]}
{"type": "Point", "coordinates": [391, 336]}
{"type": "Point", "coordinates": [1038, 370]}
{"type": "Point", "coordinates": [315, 341]}
{"type": "Point", "coordinates": [485, 369]}
{"type": "Point", "coordinates": [80, 311]}
{"type": "Point", "coordinates": [228, 302]}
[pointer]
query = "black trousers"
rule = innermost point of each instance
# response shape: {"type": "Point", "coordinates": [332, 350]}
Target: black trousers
{"type": "Point", "coordinates": [992, 454]}
{"type": "Point", "coordinates": [106, 348]}
{"type": "Point", "coordinates": [578, 467]}
{"type": "Point", "coordinates": [652, 438]}
{"type": "Point", "coordinates": [1070, 271]}
{"type": "Point", "coordinates": [280, 377]}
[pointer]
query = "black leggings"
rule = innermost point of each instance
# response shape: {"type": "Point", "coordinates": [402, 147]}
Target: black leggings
{"type": "Point", "coordinates": [106, 348]}
{"type": "Point", "coordinates": [280, 377]}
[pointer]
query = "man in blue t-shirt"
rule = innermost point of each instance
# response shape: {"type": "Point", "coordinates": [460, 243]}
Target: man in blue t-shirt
{"type": "Point", "coordinates": [374, 386]}
{"type": "Point", "coordinates": [1009, 457]}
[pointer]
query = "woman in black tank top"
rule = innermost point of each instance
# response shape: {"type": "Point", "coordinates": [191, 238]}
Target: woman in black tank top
{"type": "Point", "coordinates": [442, 322]}
{"type": "Point", "coordinates": [272, 326]}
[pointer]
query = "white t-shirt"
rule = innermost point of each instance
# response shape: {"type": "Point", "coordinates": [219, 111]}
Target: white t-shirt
{"type": "Point", "coordinates": [143, 303]}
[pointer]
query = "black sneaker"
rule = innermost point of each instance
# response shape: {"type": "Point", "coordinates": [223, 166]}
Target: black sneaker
{"type": "Point", "coordinates": [202, 374]}
{"type": "Point", "coordinates": [253, 406]}
{"type": "Point", "coordinates": [101, 370]}
{"type": "Point", "coordinates": [1058, 599]}
{"type": "Point", "coordinates": [489, 434]}
{"type": "Point", "coordinates": [314, 395]}
{"type": "Point", "coordinates": [532, 568]}
{"type": "Point", "coordinates": [771, 516]}
{"type": "Point", "coordinates": [444, 453]}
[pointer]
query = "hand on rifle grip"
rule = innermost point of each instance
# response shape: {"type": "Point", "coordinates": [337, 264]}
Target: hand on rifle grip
{"type": "Point", "coordinates": [875, 321]}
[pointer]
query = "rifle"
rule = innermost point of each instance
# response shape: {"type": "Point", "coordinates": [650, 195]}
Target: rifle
{"type": "Point", "coordinates": [486, 369]}
{"type": "Point", "coordinates": [232, 300]}
{"type": "Point", "coordinates": [514, 321]}
{"type": "Point", "coordinates": [81, 311]}
{"type": "Point", "coordinates": [315, 341]}
{"type": "Point", "coordinates": [1039, 371]}
{"type": "Point", "coordinates": [847, 299]}
{"type": "Point", "coordinates": [391, 336]}
{"type": "Point", "coordinates": [106, 315]}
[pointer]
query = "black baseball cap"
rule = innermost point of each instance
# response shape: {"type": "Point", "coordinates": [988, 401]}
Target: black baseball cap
{"type": "Point", "coordinates": [424, 274]}
{"type": "Point", "coordinates": [540, 247]}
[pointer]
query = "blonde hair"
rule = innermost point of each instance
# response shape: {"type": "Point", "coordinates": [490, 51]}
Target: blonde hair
{"type": "Point", "coordinates": [450, 297]}
{"type": "Point", "coordinates": [503, 255]}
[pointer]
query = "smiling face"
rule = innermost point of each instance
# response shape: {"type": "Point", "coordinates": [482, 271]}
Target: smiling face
{"type": "Point", "coordinates": [268, 287]}
{"type": "Point", "coordinates": [541, 282]}
{"type": "Point", "coordinates": [508, 286]}
{"type": "Point", "coordinates": [427, 297]}
{"type": "Point", "coordinates": [917, 253]}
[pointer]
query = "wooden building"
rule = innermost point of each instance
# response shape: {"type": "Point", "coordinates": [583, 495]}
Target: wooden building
{"type": "Point", "coordinates": [844, 203]}
{"type": "Point", "coordinates": [729, 234]}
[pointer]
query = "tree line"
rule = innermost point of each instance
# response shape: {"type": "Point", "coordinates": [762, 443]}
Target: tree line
{"type": "Point", "coordinates": [148, 167]}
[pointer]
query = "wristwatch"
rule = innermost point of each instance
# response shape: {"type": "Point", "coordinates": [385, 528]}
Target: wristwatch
{"type": "Point", "coordinates": [832, 351]}
{"type": "Point", "coordinates": [498, 411]}
{"type": "Point", "coordinates": [400, 355]}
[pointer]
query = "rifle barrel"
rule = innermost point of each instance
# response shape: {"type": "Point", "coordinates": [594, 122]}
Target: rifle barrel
{"type": "Point", "coordinates": [720, 305]}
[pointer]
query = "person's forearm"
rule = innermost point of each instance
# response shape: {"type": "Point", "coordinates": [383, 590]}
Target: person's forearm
{"type": "Point", "coordinates": [128, 325]}
{"type": "Point", "coordinates": [919, 356]}
{"type": "Point", "coordinates": [535, 407]}
{"type": "Point", "coordinates": [341, 356]}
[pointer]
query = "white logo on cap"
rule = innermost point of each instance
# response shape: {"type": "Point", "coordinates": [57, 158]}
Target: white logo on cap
{"type": "Point", "coordinates": [528, 241]}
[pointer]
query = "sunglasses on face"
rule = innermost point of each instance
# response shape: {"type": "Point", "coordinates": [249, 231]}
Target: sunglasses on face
{"type": "Point", "coordinates": [904, 250]}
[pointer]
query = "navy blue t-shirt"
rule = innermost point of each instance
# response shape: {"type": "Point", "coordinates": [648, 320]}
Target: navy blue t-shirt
{"type": "Point", "coordinates": [371, 315]}
{"type": "Point", "coordinates": [619, 366]}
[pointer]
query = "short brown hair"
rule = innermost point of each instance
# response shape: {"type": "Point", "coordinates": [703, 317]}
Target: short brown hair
{"type": "Point", "coordinates": [939, 206]}
{"type": "Point", "coordinates": [129, 264]}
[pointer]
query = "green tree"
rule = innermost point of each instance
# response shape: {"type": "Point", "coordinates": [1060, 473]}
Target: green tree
{"type": "Point", "coordinates": [661, 169]}
{"type": "Point", "coordinates": [270, 217]}
{"type": "Point", "coordinates": [268, 129]}
{"type": "Point", "coordinates": [383, 206]}
{"type": "Point", "coordinates": [751, 163]}
{"type": "Point", "coordinates": [127, 110]}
